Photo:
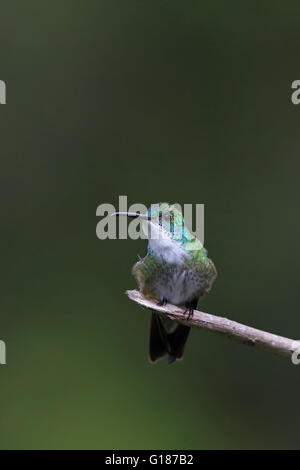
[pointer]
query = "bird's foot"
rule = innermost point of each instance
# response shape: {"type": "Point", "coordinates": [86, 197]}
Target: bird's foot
{"type": "Point", "coordinates": [189, 311]}
{"type": "Point", "coordinates": [162, 301]}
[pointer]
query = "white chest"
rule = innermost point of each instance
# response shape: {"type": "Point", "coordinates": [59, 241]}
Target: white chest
{"type": "Point", "coordinates": [177, 286]}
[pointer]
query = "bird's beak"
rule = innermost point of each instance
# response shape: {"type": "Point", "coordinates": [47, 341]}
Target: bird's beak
{"type": "Point", "coordinates": [133, 215]}
{"type": "Point", "coordinates": [150, 227]}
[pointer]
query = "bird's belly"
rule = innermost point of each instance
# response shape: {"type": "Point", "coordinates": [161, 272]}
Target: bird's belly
{"type": "Point", "coordinates": [177, 287]}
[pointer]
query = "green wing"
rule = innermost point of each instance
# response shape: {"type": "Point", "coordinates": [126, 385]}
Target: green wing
{"type": "Point", "coordinates": [146, 270]}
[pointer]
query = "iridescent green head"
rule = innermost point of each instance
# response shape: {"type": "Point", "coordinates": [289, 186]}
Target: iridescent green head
{"type": "Point", "coordinates": [163, 221]}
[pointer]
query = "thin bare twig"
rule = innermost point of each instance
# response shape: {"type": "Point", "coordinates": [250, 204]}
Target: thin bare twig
{"type": "Point", "coordinates": [231, 329]}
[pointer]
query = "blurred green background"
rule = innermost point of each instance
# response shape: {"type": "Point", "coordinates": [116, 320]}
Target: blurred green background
{"type": "Point", "coordinates": [186, 102]}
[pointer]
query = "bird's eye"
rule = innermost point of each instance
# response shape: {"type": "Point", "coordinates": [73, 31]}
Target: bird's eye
{"type": "Point", "coordinates": [160, 217]}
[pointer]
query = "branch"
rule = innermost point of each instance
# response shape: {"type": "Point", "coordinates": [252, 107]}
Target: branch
{"type": "Point", "coordinates": [231, 329]}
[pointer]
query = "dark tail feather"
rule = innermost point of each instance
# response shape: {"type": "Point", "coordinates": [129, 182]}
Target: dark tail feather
{"type": "Point", "coordinates": [177, 341]}
{"type": "Point", "coordinates": [162, 343]}
{"type": "Point", "coordinates": [158, 346]}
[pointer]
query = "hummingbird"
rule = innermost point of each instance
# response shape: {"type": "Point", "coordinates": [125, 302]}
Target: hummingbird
{"type": "Point", "coordinates": [176, 269]}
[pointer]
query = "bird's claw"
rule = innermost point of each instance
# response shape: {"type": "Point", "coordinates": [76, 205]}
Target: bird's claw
{"type": "Point", "coordinates": [190, 312]}
{"type": "Point", "coordinates": [162, 301]}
